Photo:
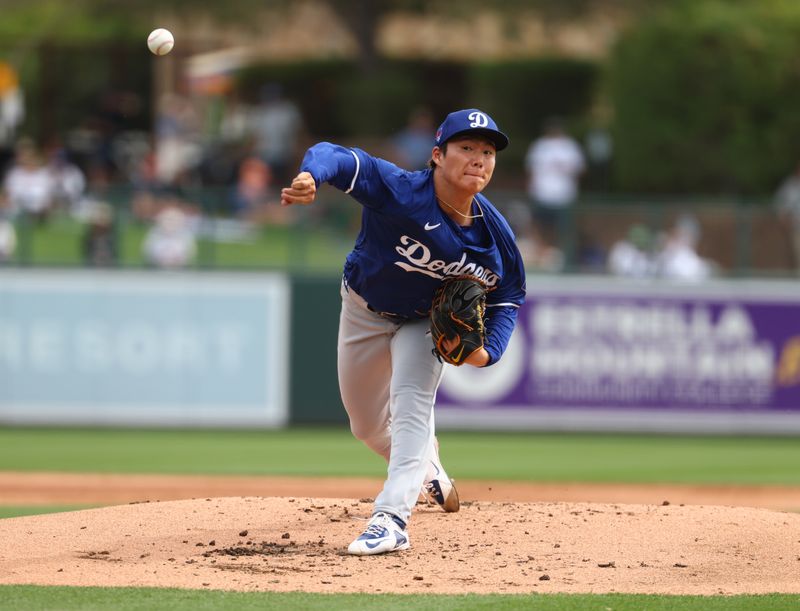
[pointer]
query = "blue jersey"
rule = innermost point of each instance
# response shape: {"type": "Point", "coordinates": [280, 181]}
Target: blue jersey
{"type": "Point", "coordinates": [407, 245]}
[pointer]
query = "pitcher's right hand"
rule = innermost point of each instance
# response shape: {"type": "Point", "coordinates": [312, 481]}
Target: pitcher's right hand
{"type": "Point", "coordinates": [303, 190]}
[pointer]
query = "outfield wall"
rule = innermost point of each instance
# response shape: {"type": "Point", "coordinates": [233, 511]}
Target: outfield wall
{"type": "Point", "coordinates": [259, 349]}
{"type": "Point", "coordinates": [143, 348]}
{"type": "Point", "coordinates": [605, 354]}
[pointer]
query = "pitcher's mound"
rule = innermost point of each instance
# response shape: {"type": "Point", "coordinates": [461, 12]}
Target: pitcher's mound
{"type": "Point", "coordinates": [287, 544]}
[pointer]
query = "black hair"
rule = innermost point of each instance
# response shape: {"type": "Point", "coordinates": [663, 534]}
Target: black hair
{"type": "Point", "coordinates": [442, 148]}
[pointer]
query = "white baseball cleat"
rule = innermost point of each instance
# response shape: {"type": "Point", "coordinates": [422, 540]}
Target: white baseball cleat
{"type": "Point", "coordinates": [382, 535]}
{"type": "Point", "coordinates": [442, 491]}
{"type": "Point", "coordinates": [438, 487]}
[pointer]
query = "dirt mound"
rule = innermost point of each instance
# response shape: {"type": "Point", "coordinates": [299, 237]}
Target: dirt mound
{"type": "Point", "coordinates": [287, 544]}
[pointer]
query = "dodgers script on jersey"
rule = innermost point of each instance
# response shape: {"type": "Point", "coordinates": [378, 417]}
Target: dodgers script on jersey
{"type": "Point", "coordinates": [407, 245]}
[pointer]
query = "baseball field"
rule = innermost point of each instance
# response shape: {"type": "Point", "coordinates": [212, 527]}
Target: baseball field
{"type": "Point", "coordinates": [134, 519]}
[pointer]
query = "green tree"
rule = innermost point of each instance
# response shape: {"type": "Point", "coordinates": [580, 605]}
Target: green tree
{"type": "Point", "coordinates": [706, 96]}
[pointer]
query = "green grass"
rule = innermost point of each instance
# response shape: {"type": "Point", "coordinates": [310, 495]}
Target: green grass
{"type": "Point", "coordinates": [128, 599]}
{"type": "Point", "coordinates": [13, 511]}
{"type": "Point", "coordinates": [334, 452]}
{"type": "Point", "coordinates": [58, 242]}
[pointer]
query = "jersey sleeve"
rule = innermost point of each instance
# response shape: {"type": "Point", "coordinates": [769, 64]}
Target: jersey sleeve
{"type": "Point", "coordinates": [499, 324]}
{"type": "Point", "coordinates": [330, 163]}
{"type": "Point", "coordinates": [371, 181]}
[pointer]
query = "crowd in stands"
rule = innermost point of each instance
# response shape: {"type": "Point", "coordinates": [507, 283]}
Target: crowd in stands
{"type": "Point", "coordinates": [254, 151]}
{"type": "Point", "coordinates": [241, 165]}
{"type": "Point", "coordinates": [642, 253]}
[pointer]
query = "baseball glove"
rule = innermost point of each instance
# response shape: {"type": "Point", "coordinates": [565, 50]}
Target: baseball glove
{"type": "Point", "coordinates": [457, 313]}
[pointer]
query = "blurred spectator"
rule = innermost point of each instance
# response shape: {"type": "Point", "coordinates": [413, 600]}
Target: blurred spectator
{"type": "Point", "coordinates": [128, 149]}
{"type": "Point", "coordinates": [177, 150]}
{"type": "Point", "coordinates": [276, 123]}
{"type": "Point", "coordinates": [105, 137]}
{"type": "Point", "coordinates": [99, 245]}
{"type": "Point", "coordinates": [69, 181]}
{"type": "Point", "coordinates": [220, 163]}
{"type": "Point", "coordinates": [145, 204]}
{"type": "Point", "coordinates": [170, 242]}
{"type": "Point", "coordinates": [412, 146]}
{"type": "Point", "coordinates": [536, 255]}
{"type": "Point", "coordinates": [554, 164]}
{"type": "Point", "coordinates": [96, 192]}
{"type": "Point", "coordinates": [787, 200]}
{"type": "Point", "coordinates": [150, 196]}
{"type": "Point", "coordinates": [599, 151]}
{"type": "Point", "coordinates": [591, 256]}
{"type": "Point", "coordinates": [8, 240]}
{"type": "Point", "coordinates": [632, 256]}
{"type": "Point", "coordinates": [28, 187]}
{"type": "Point", "coordinates": [252, 186]}
{"type": "Point", "coordinates": [12, 112]}
{"type": "Point", "coordinates": [254, 199]}
{"type": "Point", "coordinates": [539, 256]}
{"type": "Point", "coordinates": [223, 155]}
{"type": "Point", "coordinates": [234, 123]}
{"type": "Point", "coordinates": [678, 258]}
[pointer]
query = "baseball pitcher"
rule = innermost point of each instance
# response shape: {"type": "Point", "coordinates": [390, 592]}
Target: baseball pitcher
{"type": "Point", "coordinates": [434, 278]}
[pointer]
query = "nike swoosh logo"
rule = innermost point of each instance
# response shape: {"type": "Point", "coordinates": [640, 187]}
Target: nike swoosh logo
{"type": "Point", "coordinates": [374, 545]}
{"type": "Point", "coordinates": [428, 226]}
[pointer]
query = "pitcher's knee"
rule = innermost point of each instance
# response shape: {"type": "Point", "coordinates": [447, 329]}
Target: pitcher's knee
{"type": "Point", "coordinates": [362, 432]}
{"type": "Point", "coordinates": [379, 441]}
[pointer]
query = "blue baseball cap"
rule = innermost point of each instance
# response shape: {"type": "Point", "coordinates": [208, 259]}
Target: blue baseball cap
{"type": "Point", "coordinates": [468, 121]}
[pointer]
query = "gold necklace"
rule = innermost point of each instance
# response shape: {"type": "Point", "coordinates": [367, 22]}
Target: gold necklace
{"type": "Point", "coordinates": [466, 216]}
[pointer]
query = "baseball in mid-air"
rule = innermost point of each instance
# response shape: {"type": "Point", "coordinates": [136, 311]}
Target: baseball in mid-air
{"type": "Point", "coordinates": [160, 41]}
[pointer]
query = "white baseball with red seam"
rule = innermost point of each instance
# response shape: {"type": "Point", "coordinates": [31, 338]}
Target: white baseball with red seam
{"type": "Point", "coordinates": [160, 41]}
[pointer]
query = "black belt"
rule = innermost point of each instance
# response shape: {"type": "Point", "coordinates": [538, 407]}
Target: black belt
{"type": "Point", "coordinates": [395, 318]}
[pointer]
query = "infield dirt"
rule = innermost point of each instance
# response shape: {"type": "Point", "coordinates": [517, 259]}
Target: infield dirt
{"type": "Point", "coordinates": [651, 539]}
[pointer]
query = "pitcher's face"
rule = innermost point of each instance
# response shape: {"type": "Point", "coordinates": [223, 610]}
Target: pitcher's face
{"type": "Point", "coordinates": [468, 164]}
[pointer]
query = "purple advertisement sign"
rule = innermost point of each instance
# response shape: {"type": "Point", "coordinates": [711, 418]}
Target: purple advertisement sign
{"type": "Point", "coordinates": [649, 349]}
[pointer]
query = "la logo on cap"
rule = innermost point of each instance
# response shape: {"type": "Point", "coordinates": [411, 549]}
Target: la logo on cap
{"type": "Point", "coordinates": [478, 119]}
{"type": "Point", "coordinates": [470, 120]}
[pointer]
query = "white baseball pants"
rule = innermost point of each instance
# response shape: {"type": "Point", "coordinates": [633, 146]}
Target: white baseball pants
{"type": "Point", "coordinates": [388, 378]}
